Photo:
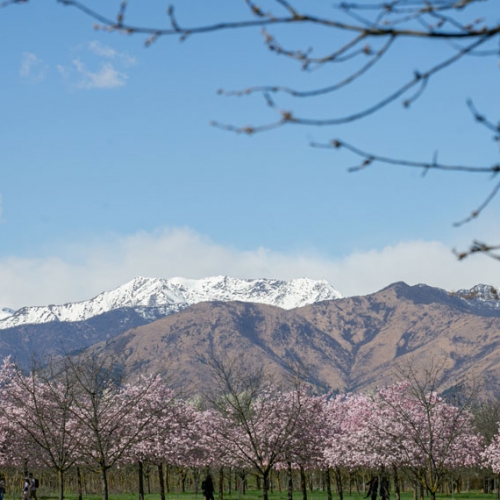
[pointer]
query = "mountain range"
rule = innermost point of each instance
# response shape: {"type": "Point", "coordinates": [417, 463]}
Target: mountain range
{"type": "Point", "coordinates": [56, 329]}
{"type": "Point", "coordinates": [177, 326]}
{"type": "Point", "coordinates": [154, 297]}
{"type": "Point", "coordinates": [347, 344]}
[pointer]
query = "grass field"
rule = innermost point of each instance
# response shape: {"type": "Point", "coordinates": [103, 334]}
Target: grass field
{"type": "Point", "coordinates": [257, 495]}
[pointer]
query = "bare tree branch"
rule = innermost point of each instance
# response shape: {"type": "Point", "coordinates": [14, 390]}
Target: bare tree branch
{"type": "Point", "coordinates": [375, 30]}
{"type": "Point", "coordinates": [363, 34]}
{"type": "Point", "coordinates": [370, 158]}
{"type": "Point", "coordinates": [479, 247]}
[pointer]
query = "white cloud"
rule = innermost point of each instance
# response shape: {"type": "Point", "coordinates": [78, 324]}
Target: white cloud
{"type": "Point", "coordinates": [107, 76]}
{"type": "Point", "coordinates": [80, 272]}
{"type": "Point", "coordinates": [98, 66]}
{"type": "Point", "coordinates": [108, 52]}
{"type": "Point", "coordinates": [101, 50]}
{"type": "Point", "coordinates": [32, 67]}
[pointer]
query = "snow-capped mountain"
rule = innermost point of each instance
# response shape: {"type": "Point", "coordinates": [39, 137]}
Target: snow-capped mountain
{"type": "Point", "coordinates": [154, 297]}
{"type": "Point", "coordinates": [481, 296]}
{"type": "Point", "coordinates": [5, 312]}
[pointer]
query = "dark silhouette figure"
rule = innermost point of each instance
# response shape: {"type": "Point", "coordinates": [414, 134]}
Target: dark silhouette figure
{"type": "Point", "coordinates": [26, 488]}
{"type": "Point", "coordinates": [372, 488]}
{"type": "Point", "coordinates": [207, 488]}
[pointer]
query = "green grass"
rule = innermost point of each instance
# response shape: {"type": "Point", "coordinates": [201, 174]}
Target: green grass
{"type": "Point", "coordinates": [257, 495]}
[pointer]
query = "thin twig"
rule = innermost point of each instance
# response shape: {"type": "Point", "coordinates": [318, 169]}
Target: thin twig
{"type": "Point", "coordinates": [435, 165]}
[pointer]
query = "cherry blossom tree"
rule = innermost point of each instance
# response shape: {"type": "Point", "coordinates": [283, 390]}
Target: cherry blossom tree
{"type": "Point", "coordinates": [257, 422]}
{"type": "Point", "coordinates": [38, 408]}
{"type": "Point", "coordinates": [161, 429]}
{"type": "Point", "coordinates": [348, 439]}
{"type": "Point", "coordinates": [404, 425]}
{"type": "Point", "coordinates": [306, 447]}
{"type": "Point", "coordinates": [491, 455]}
{"type": "Point", "coordinates": [176, 435]}
{"type": "Point", "coordinates": [258, 433]}
{"type": "Point", "coordinates": [112, 417]}
{"type": "Point", "coordinates": [431, 436]}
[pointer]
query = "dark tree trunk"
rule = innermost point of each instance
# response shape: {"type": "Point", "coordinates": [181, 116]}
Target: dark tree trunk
{"type": "Point", "coordinates": [80, 485]}
{"type": "Point", "coordinates": [104, 483]}
{"type": "Point", "coordinates": [265, 485]}
{"type": "Point", "coordinates": [183, 479]}
{"type": "Point", "coordinates": [303, 484]}
{"type": "Point", "coordinates": [338, 480]}
{"type": "Point", "coordinates": [397, 489]}
{"type": "Point", "coordinates": [196, 480]}
{"type": "Point", "coordinates": [140, 476]}
{"type": "Point", "coordinates": [243, 479]}
{"type": "Point", "coordinates": [167, 479]}
{"type": "Point", "coordinates": [290, 481]}
{"type": "Point", "coordinates": [147, 474]}
{"type": "Point", "coordinates": [60, 477]}
{"type": "Point", "coordinates": [328, 484]}
{"type": "Point", "coordinates": [161, 480]}
{"type": "Point", "coordinates": [221, 483]}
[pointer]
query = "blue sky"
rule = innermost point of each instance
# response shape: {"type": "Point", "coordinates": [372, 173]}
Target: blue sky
{"type": "Point", "coordinates": [111, 170]}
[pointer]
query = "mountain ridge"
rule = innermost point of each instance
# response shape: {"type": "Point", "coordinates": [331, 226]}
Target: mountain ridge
{"type": "Point", "coordinates": [348, 344]}
{"type": "Point", "coordinates": [156, 297]}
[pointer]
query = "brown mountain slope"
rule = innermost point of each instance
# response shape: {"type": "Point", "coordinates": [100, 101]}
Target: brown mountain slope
{"type": "Point", "coordinates": [271, 336]}
{"type": "Point", "coordinates": [399, 325]}
{"type": "Point", "coordinates": [347, 344]}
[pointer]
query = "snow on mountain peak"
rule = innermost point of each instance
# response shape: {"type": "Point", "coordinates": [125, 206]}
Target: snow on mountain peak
{"type": "Point", "coordinates": [166, 296]}
{"type": "Point", "coordinates": [5, 312]}
{"type": "Point", "coordinates": [484, 295]}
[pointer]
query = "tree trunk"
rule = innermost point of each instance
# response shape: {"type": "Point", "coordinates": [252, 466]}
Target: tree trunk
{"type": "Point", "coordinates": [265, 485]}
{"type": "Point", "coordinates": [338, 479]}
{"type": "Point", "coordinates": [328, 484]}
{"type": "Point", "coordinates": [60, 477]}
{"type": "Point", "coordinates": [221, 483]}
{"type": "Point", "coordinates": [161, 480]}
{"type": "Point", "coordinates": [147, 473]}
{"type": "Point", "coordinates": [183, 479]}
{"type": "Point", "coordinates": [397, 489]}
{"type": "Point", "coordinates": [104, 483]}
{"type": "Point", "coordinates": [167, 479]}
{"type": "Point", "coordinates": [141, 479]}
{"type": "Point", "coordinates": [243, 479]}
{"type": "Point", "coordinates": [303, 484]}
{"type": "Point", "coordinates": [290, 481]}
{"type": "Point", "coordinates": [80, 485]}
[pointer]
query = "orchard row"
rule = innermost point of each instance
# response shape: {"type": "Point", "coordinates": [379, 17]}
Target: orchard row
{"type": "Point", "coordinates": [79, 414]}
